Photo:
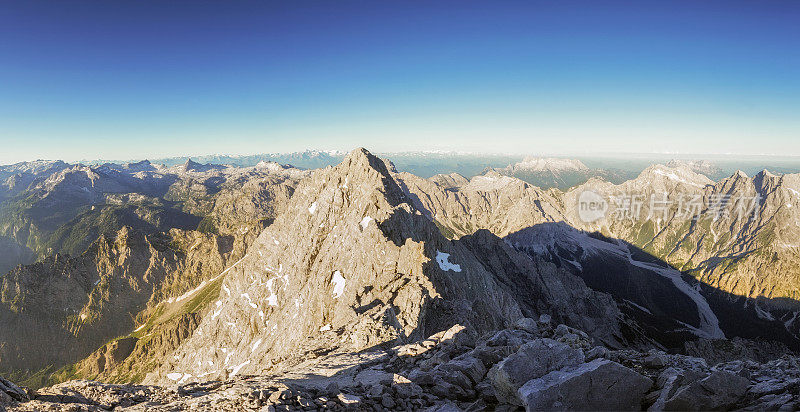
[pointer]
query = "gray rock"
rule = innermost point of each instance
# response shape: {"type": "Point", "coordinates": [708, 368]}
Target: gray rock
{"type": "Point", "coordinates": [656, 360]}
{"type": "Point", "coordinates": [597, 352]}
{"type": "Point", "coordinates": [772, 386]}
{"type": "Point", "coordinates": [469, 366]}
{"type": "Point", "coordinates": [13, 391]}
{"type": "Point", "coordinates": [387, 401]}
{"type": "Point", "coordinates": [528, 325]}
{"type": "Point", "coordinates": [533, 360]}
{"type": "Point", "coordinates": [509, 337]}
{"type": "Point", "coordinates": [445, 407]}
{"type": "Point", "coordinates": [782, 402]}
{"type": "Point", "coordinates": [720, 390]}
{"type": "Point", "coordinates": [598, 385]}
{"type": "Point", "coordinates": [375, 391]}
{"type": "Point", "coordinates": [669, 382]}
{"type": "Point", "coordinates": [370, 377]}
{"type": "Point", "coordinates": [405, 390]}
{"type": "Point", "coordinates": [348, 399]}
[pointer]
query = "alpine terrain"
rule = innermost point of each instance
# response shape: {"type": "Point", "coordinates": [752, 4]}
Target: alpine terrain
{"type": "Point", "coordinates": [360, 287]}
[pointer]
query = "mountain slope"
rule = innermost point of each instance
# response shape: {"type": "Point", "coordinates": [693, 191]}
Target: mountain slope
{"type": "Point", "coordinates": [60, 208]}
{"type": "Point", "coordinates": [352, 263]}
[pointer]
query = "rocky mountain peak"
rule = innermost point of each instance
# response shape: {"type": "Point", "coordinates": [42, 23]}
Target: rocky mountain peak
{"type": "Point", "coordinates": [141, 166]}
{"type": "Point", "coordinates": [352, 263]}
{"type": "Point", "coordinates": [681, 174]}
{"type": "Point", "coordinates": [700, 166]}
{"type": "Point", "coordinates": [191, 165]}
{"type": "Point", "coordinates": [552, 164]}
{"type": "Point", "coordinates": [361, 159]}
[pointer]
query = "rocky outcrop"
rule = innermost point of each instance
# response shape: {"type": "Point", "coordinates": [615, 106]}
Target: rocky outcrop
{"type": "Point", "coordinates": [10, 392]}
{"type": "Point", "coordinates": [533, 360]}
{"type": "Point", "coordinates": [718, 391]}
{"type": "Point", "coordinates": [457, 370]}
{"type": "Point", "coordinates": [598, 385]}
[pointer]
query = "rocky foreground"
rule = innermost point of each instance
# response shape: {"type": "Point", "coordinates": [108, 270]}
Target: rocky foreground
{"type": "Point", "coordinates": [534, 366]}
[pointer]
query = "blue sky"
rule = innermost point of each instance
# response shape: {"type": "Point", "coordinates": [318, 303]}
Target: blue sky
{"type": "Point", "coordinates": [137, 79]}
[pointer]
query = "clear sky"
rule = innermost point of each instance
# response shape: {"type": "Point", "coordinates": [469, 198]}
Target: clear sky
{"type": "Point", "coordinates": [135, 79]}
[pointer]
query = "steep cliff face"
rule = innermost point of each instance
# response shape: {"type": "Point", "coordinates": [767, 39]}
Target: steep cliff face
{"type": "Point", "coordinates": [740, 244]}
{"type": "Point", "coordinates": [353, 263]}
{"type": "Point", "coordinates": [59, 310]}
{"type": "Point", "coordinates": [737, 237]}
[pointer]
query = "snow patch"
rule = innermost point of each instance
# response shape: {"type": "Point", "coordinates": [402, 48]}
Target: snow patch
{"type": "Point", "coordinates": [249, 301]}
{"type": "Point", "coordinates": [709, 324]}
{"type": "Point", "coordinates": [365, 222]}
{"type": "Point", "coordinates": [325, 328]}
{"type": "Point", "coordinates": [239, 367]}
{"type": "Point", "coordinates": [313, 208]}
{"type": "Point", "coordinates": [673, 176]}
{"type": "Point", "coordinates": [338, 282]}
{"type": "Point", "coordinates": [174, 376]}
{"type": "Point", "coordinates": [642, 308]}
{"type": "Point", "coordinates": [444, 262]}
{"type": "Point", "coordinates": [272, 299]}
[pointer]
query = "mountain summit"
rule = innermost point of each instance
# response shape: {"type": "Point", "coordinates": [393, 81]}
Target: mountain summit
{"type": "Point", "coordinates": [352, 263]}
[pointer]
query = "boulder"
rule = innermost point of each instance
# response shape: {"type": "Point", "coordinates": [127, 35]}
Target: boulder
{"type": "Point", "coordinates": [508, 337]}
{"type": "Point", "coordinates": [528, 325]}
{"type": "Point", "coordinates": [370, 377]}
{"type": "Point", "coordinates": [533, 360]}
{"type": "Point", "coordinates": [13, 391]}
{"type": "Point", "coordinates": [469, 366]}
{"type": "Point", "coordinates": [656, 360]}
{"type": "Point", "coordinates": [598, 385]}
{"type": "Point", "coordinates": [720, 390]}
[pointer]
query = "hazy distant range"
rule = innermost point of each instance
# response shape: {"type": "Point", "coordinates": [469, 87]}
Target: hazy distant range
{"type": "Point", "coordinates": [427, 164]}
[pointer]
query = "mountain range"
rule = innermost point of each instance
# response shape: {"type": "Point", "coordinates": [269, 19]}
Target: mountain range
{"type": "Point", "coordinates": [314, 278]}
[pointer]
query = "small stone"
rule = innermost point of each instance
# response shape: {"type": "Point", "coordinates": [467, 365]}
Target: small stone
{"type": "Point", "coordinates": [387, 401]}
{"type": "Point", "coordinates": [332, 389]}
{"type": "Point", "coordinates": [375, 391]}
{"type": "Point", "coordinates": [348, 399]}
{"type": "Point", "coordinates": [304, 403]}
{"type": "Point", "coordinates": [597, 352]}
{"type": "Point", "coordinates": [655, 360]}
{"type": "Point", "coordinates": [469, 366]}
